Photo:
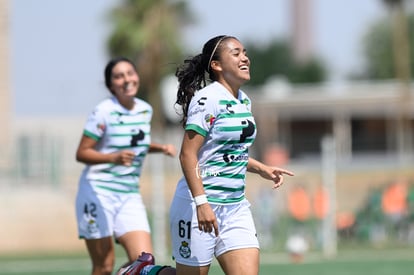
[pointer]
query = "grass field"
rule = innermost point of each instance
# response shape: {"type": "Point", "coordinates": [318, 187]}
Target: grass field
{"type": "Point", "coordinates": [349, 262]}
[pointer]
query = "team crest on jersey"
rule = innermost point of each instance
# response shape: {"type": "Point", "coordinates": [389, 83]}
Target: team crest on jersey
{"type": "Point", "coordinates": [92, 226]}
{"type": "Point", "coordinates": [185, 251]}
{"type": "Point", "coordinates": [209, 118]}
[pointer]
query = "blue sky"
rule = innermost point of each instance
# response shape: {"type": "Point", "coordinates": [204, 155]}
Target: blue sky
{"type": "Point", "coordinates": [58, 48]}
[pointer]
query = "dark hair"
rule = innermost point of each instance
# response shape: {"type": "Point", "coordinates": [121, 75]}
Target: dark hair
{"type": "Point", "coordinates": [192, 73]}
{"type": "Point", "coordinates": [111, 64]}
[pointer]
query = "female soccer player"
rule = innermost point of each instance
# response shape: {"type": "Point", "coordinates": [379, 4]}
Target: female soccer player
{"type": "Point", "coordinates": [116, 139]}
{"type": "Point", "coordinates": [210, 215]}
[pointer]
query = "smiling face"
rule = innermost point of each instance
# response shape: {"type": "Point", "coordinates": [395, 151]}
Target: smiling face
{"type": "Point", "coordinates": [233, 66]}
{"type": "Point", "coordinates": [124, 81]}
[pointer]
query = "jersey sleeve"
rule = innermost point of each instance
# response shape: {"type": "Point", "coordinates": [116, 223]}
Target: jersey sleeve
{"type": "Point", "coordinates": [201, 114]}
{"type": "Point", "coordinates": [95, 125]}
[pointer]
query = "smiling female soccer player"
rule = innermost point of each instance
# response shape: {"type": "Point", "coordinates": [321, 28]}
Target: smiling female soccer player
{"type": "Point", "coordinates": [210, 215]}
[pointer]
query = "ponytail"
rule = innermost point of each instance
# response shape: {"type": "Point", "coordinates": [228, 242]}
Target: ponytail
{"type": "Point", "coordinates": [192, 74]}
{"type": "Point", "coordinates": [191, 78]}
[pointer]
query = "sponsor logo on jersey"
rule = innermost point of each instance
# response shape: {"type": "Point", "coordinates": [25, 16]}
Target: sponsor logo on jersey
{"type": "Point", "coordinates": [201, 101]}
{"type": "Point", "coordinates": [230, 157]}
{"type": "Point", "coordinates": [247, 131]}
{"type": "Point", "coordinates": [196, 111]}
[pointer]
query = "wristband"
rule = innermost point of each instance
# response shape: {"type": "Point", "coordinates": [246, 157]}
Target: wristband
{"type": "Point", "coordinates": [200, 199]}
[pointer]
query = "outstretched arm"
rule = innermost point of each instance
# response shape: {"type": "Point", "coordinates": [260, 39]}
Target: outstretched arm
{"type": "Point", "coordinates": [166, 149]}
{"type": "Point", "coordinates": [268, 172]}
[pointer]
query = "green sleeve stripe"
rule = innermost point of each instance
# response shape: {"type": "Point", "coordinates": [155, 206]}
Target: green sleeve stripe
{"type": "Point", "coordinates": [196, 129]}
{"type": "Point", "coordinates": [91, 135]}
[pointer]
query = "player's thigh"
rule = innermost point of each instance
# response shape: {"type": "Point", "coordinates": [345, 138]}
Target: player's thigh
{"type": "Point", "coordinates": [131, 216]}
{"type": "Point", "coordinates": [237, 229]}
{"type": "Point", "coordinates": [243, 261]}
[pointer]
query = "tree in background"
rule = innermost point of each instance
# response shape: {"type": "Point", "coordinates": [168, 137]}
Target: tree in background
{"type": "Point", "coordinates": [276, 59]}
{"type": "Point", "coordinates": [381, 47]}
{"type": "Point", "coordinates": [388, 51]}
{"type": "Point", "coordinates": [377, 52]}
{"type": "Point", "coordinates": [148, 31]}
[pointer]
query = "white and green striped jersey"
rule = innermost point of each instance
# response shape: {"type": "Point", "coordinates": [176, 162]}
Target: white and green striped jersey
{"type": "Point", "coordinates": [229, 130]}
{"type": "Point", "coordinates": [116, 128]}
